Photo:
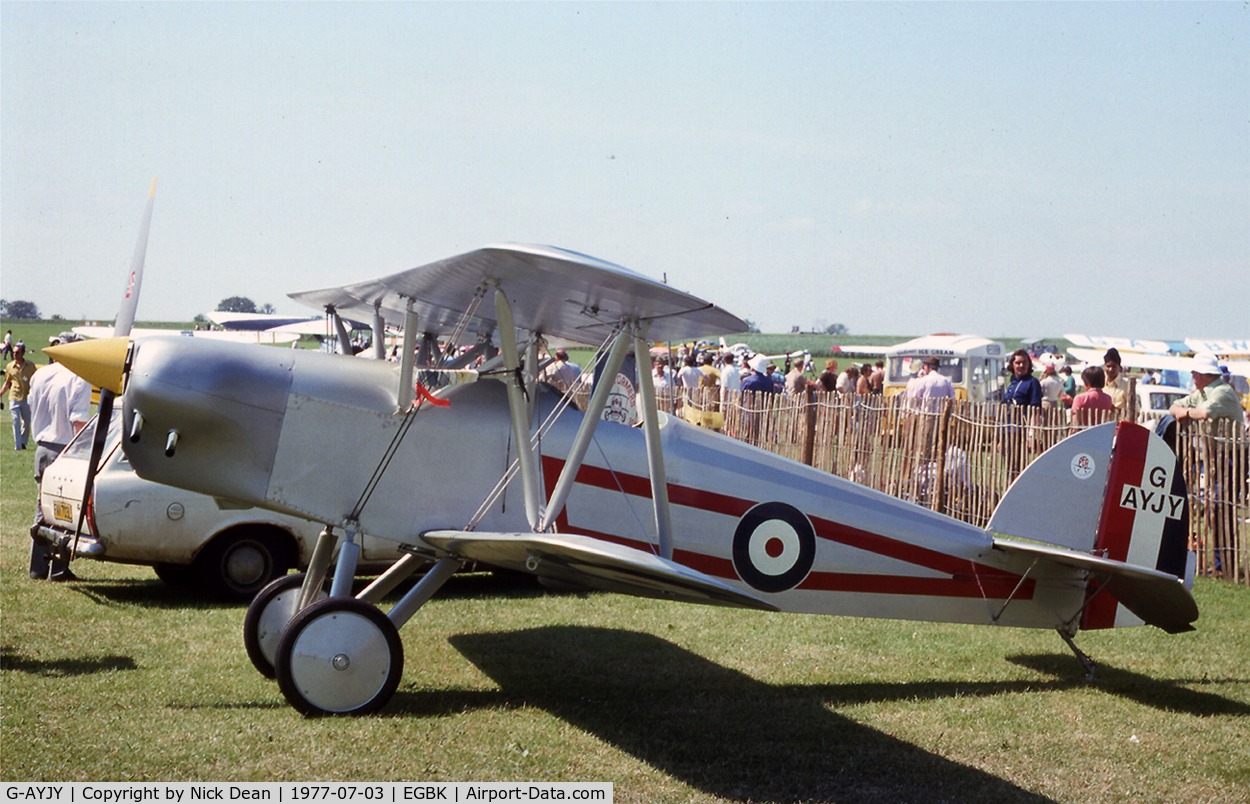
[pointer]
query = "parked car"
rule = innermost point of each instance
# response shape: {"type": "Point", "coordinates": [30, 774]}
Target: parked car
{"type": "Point", "coordinates": [189, 539]}
{"type": "Point", "coordinates": [1153, 401]}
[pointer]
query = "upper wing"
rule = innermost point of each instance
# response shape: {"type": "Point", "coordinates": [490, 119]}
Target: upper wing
{"type": "Point", "coordinates": [553, 292]}
{"type": "Point", "coordinates": [592, 562]}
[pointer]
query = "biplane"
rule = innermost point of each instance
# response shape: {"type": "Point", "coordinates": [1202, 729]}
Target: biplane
{"type": "Point", "coordinates": [488, 465]}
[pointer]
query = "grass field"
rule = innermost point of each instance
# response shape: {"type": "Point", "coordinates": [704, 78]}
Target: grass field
{"type": "Point", "coordinates": [117, 677]}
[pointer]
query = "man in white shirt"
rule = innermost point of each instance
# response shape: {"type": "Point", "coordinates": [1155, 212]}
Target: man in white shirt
{"type": "Point", "coordinates": [1052, 387]}
{"type": "Point", "coordinates": [730, 376]}
{"type": "Point", "coordinates": [562, 373]}
{"type": "Point", "coordinates": [60, 406]}
{"type": "Point", "coordinates": [689, 377]}
{"type": "Point", "coordinates": [935, 384]}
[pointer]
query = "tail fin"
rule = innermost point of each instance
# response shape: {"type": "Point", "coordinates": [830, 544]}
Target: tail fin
{"type": "Point", "coordinates": [1145, 515]}
{"type": "Point", "coordinates": [1115, 491]}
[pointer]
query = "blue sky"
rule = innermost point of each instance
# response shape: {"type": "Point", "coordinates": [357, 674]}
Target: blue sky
{"type": "Point", "coordinates": [1019, 169]}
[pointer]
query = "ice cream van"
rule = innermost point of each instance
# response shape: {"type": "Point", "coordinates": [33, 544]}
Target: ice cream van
{"type": "Point", "coordinates": [973, 364]}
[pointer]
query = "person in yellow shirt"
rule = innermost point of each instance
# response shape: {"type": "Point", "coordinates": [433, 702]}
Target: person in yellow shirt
{"type": "Point", "coordinates": [1116, 383]}
{"type": "Point", "coordinates": [17, 376]}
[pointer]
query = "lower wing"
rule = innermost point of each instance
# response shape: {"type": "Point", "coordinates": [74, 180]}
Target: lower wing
{"type": "Point", "coordinates": [592, 562]}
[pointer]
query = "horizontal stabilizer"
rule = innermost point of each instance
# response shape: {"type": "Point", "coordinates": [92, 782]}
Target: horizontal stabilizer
{"type": "Point", "coordinates": [1158, 598]}
{"type": "Point", "coordinates": [594, 563]}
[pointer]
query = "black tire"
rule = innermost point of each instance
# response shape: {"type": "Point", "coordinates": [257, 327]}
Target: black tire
{"type": "Point", "coordinates": [340, 656]}
{"type": "Point", "coordinates": [237, 564]}
{"type": "Point", "coordinates": [265, 620]}
{"type": "Point", "coordinates": [179, 576]}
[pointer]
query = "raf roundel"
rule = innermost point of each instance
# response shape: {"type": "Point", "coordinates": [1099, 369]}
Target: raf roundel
{"type": "Point", "coordinates": [774, 547]}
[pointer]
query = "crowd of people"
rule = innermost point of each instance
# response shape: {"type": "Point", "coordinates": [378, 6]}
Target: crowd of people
{"type": "Point", "coordinates": [690, 369]}
{"type": "Point", "coordinates": [1099, 392]}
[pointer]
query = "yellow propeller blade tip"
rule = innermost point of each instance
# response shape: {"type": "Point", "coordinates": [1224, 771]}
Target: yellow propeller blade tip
{"type": "Point", "coordinates": [99, 362]}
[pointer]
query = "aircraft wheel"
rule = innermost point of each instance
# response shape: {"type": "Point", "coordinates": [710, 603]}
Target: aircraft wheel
{"type": "Point", "coordinates": [339, 656]}
{"type": "Point", "coordinates": [267, 616]}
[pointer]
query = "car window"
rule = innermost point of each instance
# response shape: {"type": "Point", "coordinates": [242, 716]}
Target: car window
{"type": "Point", "coordinates": [80, 447]}
{"type": "Point", "coordinates": [1162, 400]}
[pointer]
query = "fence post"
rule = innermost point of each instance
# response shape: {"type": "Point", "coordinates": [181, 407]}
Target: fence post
{"type": "Point", "coordinates": [939, 481]}
{"type": "Point", "coordinates": [809, 423]}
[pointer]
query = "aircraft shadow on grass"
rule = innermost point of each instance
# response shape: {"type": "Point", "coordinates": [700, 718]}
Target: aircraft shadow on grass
{"type": "Point", "coordinates": [1169, 695]}
{"type": "Point", "coordinates": [715, 729]}
{"type": "Point", "coordinates": [153, 593]}
{"type": "Point", "coordinates": [12, 659]}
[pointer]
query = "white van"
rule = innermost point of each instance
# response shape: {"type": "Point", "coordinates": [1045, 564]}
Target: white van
{"type": "Point", "coordinates": [973, 364]}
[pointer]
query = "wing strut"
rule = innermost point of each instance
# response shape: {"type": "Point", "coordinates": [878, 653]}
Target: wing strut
{"type": "Point", "coordinates": [379, 333]}
{"type": "Point", "coordinates": [408, 359]}
{"type": "Point", "coordinates": [655, 455]}
{"type": "Point", "coordinates": [345, 340]}
{"type": "Point", "coordinates": [531, 377]}
{"type": "Point", "coordinates": [541, 517]}
{"type": "Point", "coordinates": [517, 407]}
{"type": "Point", "coordinates": [590, 420]}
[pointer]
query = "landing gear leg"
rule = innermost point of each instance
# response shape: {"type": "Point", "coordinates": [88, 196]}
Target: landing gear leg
{"type": "Point", "coordinates": [318, 565]}
{"type": "Point", "coordinates": [1086, 662]}
{"type": "Point", "coordinates": [424, 590]}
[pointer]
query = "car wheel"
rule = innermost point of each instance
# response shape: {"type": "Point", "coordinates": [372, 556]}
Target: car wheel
{"type": "Point", "coordinates": [239, 563]}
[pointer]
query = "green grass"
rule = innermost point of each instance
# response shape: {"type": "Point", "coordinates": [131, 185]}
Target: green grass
{"type": "Point", "coordinates": [117, 677]}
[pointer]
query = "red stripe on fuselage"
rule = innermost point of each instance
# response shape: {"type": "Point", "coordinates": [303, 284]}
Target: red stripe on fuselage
{"type": "Point", "coordinates": [967, 578]}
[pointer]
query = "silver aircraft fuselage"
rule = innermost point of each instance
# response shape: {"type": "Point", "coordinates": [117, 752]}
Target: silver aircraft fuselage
{"type": "Point", "coordinates": [304, 433]}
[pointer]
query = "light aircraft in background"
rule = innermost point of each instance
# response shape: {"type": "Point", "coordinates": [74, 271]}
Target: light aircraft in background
{"type": "Point", "coordinates": [268, 337]}
{"type": "Point", "coordinates": [745, 355]}
{"type": "Point", "coordinates": [264, 322]}
{"type": "Point", "coordinates": [867, 350]}
{"type": "Point", "coordinates": [1173, 358]}
{"type": "Point", "coordinates": [261, 328]}
{"type": "Point", "coordinates": [1173, 355]}
{"type": "Point", "coordinates": [504, 471]}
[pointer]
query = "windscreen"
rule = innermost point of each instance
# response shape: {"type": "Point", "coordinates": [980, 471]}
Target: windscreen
{"type": "Point", "coordinates": [903, 368]}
